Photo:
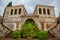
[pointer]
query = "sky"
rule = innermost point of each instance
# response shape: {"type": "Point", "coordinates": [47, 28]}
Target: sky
{"type": "Point", "coordinates": [31, 4]}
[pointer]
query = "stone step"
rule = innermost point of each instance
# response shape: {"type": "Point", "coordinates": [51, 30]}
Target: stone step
{"type": "Point", "coordinates": [52, 27]}
{"type": "Point", "coordinates": [55, 31]}
{"type": "Point", "coordinates": [9, 26]}
{"type": "Point", "coordinates": [4, 31]}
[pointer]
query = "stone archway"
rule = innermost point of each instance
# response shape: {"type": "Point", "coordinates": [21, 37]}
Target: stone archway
{"type": "Point", "coordinates": [34, 18]}
{"type": "Point", "coordinates": [39, 25]}
{"type": "Point", "coordinates": [30, 20]}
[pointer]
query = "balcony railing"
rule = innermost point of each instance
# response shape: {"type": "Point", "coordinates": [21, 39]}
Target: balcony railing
{"type": "Point", "coordinates": [9, 20]}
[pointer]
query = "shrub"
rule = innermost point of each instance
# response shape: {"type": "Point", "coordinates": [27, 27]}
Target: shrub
{"type": "Point", "coordinates": [16, 34]}
{"type": "Point", "coordinates": [42, 35]}
{"type": "Point", "coordinates": [29, 29]}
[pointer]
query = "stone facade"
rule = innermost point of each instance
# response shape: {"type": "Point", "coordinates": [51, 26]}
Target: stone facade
{"type": "Point", "coordinates": [43, 16]}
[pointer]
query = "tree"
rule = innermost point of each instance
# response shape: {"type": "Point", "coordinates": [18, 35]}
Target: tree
{"type": "Point", "coordinates": [9, 4]}
{"type": "Point", "coordinates": [16, 34]}
{"type": "Point", "coordinates": [29, 29]}
{"type": "Point", "coordinates": [42, 34]}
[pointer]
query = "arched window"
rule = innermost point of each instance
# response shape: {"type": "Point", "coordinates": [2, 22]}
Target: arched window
{"type": "Point", "coordinates": [15, 11]}
{"type": "Point", "coordinates": [40, 12]}
{"type": "Point", "coordinates": [44, 11]}
{"type": "Point", "coordinates": [20, 11]}
{"type": "Point", "coordinates": [48, 11]}
{"type": "Point", "coordinates": [11, 12]}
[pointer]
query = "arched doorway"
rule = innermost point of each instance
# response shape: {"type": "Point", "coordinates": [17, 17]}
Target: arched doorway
{"type": "Point", "coordinates": [29, 20]}
{"type": "Point", "coordinates": [29, 29]}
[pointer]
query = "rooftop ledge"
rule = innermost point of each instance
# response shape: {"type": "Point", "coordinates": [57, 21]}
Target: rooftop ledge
{"type": "Point", "coordinates": [36, 5]}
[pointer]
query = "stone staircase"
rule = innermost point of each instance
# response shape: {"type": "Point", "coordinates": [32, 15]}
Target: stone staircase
{"type": "Point", "coordinates": [9, 26]}
{"type": "Point", "coordinates": [4, 30]}
{"type": "Point", "coordinates": [52, 26]}
{"type": "Point", "coordinates": [50, 35]}
{"type": "Point", "coordinates": [56, 31]}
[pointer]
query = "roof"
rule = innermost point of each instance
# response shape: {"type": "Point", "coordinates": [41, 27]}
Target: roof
{"type": "Point", "coordinates": [45, 5]}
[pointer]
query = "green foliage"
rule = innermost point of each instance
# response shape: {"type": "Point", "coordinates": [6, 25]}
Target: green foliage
{"type": "Point", "coordinates": [42, 34]}
{"type": "Point", "coordinates": [29, 29]}
{"type": "Point", "coordinates": [10, 4]}
{"type": "Point", "coordinates": [16, 34]}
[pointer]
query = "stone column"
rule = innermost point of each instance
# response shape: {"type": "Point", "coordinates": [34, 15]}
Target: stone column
{"type": "Point", "coordinates": [42, 10]}
{"type": "Point", "coordinates": [14, 26]}
{"type": "Point", "coordinates": [13, 11]}
{"type": "Point", "coordinates": [20, 26]}
{"type": "Point", "coordinates": [45, 27]}
{"type": "Point", "coordinates": [18, 11]}
{"type": "Point", "coordinates": [39, 26]}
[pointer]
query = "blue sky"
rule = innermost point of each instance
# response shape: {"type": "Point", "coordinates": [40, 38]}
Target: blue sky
{"type": "Point", "coordinates": [31, 4]}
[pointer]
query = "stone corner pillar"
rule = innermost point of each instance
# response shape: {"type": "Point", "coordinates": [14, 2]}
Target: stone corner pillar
{"type": "Point", "coordinates": [45, 27]}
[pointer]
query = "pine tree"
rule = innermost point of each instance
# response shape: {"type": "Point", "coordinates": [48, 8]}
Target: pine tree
{"type": "Point", "coordinates": [9, 4]}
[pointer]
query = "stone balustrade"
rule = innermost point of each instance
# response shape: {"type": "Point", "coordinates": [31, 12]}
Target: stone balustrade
{"type": "Point", "coordinates": [11, 20]}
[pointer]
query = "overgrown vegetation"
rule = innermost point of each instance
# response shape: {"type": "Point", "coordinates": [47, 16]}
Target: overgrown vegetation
{"type": "Point", "coordinates": [9, 4]}
{"type": "Point", "coordinates": [42, 34]}
{"type": "Point", "coordinates": [29, 29]}
{"type": "Point", "coordinates": [16, 34]}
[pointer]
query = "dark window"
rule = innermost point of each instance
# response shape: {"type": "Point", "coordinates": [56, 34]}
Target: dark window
{"type": "Point", "coordinates": [48, 11]}
{"type": "Point", "coordinates": [15, 11]}
{"type": "Point", "coordinates": [20, 11]}
{"type": "Point", "coordinates": [39, 10]}
{"type": "Point", "coordinates": [11, 12]}
{"type": "Point", "coordinates": [44, 11]}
